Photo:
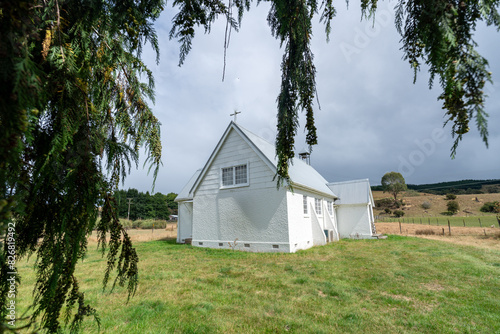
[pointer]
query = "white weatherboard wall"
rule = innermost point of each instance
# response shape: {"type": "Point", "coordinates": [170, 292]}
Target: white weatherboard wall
{"type": "Point", "coordinates": [354, 208]}
{"type": "Point", "coordinates": [256, 214]}
{"type": "Point", "coordinates": [300, 231]}
{"type": "Point", "coordinates": [354, 221]}
{"type": "Point", "coordinates": [185, 221]}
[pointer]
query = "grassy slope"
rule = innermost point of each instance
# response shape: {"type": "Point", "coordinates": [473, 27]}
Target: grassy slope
{"type": "Point", "coordinates": [413, 206]}
{"type": "Point", "coordinates": [398, 285]}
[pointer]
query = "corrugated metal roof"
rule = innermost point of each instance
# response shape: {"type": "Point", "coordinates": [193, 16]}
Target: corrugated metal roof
{"type": "Point", "coordinates": [352, 192]}
{"type": "Point", "coordinates": [300, 172]}
{"type": "Point", "coordinates": [185, 195]}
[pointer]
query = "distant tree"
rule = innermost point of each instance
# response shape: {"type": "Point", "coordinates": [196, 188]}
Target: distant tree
{"type": "Point", "coordinates": [161, 208]}
{"type": "Point", "coordinates": [453, 207]}
{"type": "Point", "coordinates": [172, 205]}
{"type": "Point", "coordinates": [450, 197]}
{"type": "Point", "coordinates": [393, 183]}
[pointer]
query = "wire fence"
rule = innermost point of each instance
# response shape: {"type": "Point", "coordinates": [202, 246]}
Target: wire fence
{"type": "Point", "coordinates": [483, 221]}
{"type": "Point", "coordinates": [487, 226]}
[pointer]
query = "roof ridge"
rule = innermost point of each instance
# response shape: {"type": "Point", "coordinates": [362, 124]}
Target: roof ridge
{"type": "Point", "coordinates": [350, 181]}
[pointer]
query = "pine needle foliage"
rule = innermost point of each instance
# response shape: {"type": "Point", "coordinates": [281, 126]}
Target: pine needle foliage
{"type": "Point", "coordinates": [73, 115]}
{"type": "Point", "coordinates": [438, 33]}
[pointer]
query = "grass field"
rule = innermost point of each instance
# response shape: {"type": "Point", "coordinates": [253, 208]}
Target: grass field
{"type": "Point", "coordinates": [397, 285]}
{"type": "Point", "coordinates": [477, 221]}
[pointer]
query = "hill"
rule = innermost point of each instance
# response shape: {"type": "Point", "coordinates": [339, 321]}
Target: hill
{"type": "Point", "coordinates": [469, 204]}
{"type": "Point", "coordinates": [455, 187]}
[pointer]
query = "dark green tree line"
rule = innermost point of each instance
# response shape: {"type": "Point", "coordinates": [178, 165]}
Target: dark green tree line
{"type": "Point", "coordinates": [144, 205]}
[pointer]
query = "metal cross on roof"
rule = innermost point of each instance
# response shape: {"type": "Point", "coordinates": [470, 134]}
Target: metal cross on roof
{"type": "Point", "coordinates": [235, 114]}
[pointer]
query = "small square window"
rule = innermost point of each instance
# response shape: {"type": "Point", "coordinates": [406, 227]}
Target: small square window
{"type": "Point", "coordinates": [234, 176]}
{"type": "Point", "coordinates": [304, 201]}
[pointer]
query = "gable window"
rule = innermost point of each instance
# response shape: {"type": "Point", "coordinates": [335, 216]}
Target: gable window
{"type": "Point", "coordinates": [240, 174]}
{"type": "Point", "coordinates": [234, 176]}
{"type": "Point", "coordinates": [329, 206]}
{"type": "Point", "coordinates": [305, 204]}
{"type": "Point", "coordinates": [227, 176]}
{"type": "Point", "coordinates": [317, 205]}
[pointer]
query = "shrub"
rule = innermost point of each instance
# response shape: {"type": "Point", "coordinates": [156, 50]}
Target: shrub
{"type": "Point", "coordinates": [399, 213]}
{"type": "Point", "coordinates": [412, 193]}
{"type": "Point", "coordinates": [148, 224]}
{"type": "Point", "coordinates": [425, 232]}
{"type": "Point", "coordinates": [491, 207]}
{"type": "Point", "coordinates": [384, 203]}
{"type": "Point", "coordinates": [453, 207]}
{"type": "Point", "coordinates": [450, 197]}
{"type": "Point", "coordinates": [426, 205]}
{"type": "Point", "coordinates": [447, 213]}
{"type": "Point", "coordinates": [388, 211]}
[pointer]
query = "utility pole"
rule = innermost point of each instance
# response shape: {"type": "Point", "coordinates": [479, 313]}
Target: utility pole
{"type": "Point", "coordinates": [129, 202]}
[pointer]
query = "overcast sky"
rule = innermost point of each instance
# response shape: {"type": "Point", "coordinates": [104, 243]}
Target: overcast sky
{"type": "Point", "coordinates": [373, 119]}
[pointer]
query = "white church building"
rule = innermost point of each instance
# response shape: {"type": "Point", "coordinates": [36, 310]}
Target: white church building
{"type": "Point", "coordinates": [233, 201]}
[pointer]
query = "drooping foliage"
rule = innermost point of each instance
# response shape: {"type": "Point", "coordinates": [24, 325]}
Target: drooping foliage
{"type": "Point", "coordinates": [73, 114]}
{"type": "Point", "coordinates": [438, 33]}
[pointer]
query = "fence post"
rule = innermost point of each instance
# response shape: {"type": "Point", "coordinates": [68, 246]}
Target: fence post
{"type": "Point", "coordinates": [443, 231]}
{"type": "Point", "coordinates": [400, 228]}
{"type": "Point", "coordinates": [480, 225]}
{"type": "Point", "coordinates": [429, 221]}
{"type": "Point", "coordinates": [464, 222]}
{"type": "Point", "coordinates": [449, 228]}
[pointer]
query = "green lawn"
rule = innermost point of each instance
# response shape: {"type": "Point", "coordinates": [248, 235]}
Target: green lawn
{"type": "Point", "coordinates": [398, 285]}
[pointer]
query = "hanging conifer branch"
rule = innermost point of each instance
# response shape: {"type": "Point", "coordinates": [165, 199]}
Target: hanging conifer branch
{"type": "Point", "coordinates": [73, 97]}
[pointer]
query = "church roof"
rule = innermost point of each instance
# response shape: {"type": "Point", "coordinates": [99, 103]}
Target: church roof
{"type": "Point", "coordinates": [185, 194]}
{"type": "Point", "coordinates": [352, 192]}
{"type": "Point", "coordinates": [301, 174]}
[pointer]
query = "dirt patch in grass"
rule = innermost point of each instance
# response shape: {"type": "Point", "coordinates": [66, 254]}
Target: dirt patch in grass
{"type": "Point", "coordinates": [470, 236]}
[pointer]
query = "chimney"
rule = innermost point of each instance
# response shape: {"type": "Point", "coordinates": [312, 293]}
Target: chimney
{"type": "Point", "coordinates": [305, 156]}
